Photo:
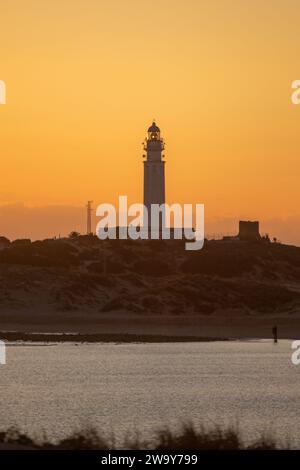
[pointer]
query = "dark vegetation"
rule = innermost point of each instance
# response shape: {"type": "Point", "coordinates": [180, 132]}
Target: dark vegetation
{"type": "Point", "coordinates": [187, 438]}
{"type": "Point", "coordinates": [157, 277]}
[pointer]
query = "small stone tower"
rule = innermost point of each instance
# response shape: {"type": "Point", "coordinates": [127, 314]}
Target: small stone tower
{"type": "Point", "coordinates": [249, 231]}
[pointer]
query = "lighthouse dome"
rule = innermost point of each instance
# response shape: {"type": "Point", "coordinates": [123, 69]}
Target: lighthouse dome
{"type": "Point", "coordinates": [154, 128]}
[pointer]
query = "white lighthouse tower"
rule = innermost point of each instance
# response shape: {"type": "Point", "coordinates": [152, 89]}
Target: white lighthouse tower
{"type": "Point", "coordinates": [154, 174]}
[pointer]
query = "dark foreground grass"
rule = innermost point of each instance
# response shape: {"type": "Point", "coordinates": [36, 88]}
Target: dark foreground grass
{"type": "Point", "coordinates": [187, 438]}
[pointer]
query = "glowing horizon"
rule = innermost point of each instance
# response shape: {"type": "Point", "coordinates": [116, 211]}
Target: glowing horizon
{"type": "Point", "coordinates": [85, 79]}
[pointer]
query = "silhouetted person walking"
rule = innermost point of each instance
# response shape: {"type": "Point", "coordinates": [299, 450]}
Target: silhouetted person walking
{"type": "Point", "coordinates": [274, 331]}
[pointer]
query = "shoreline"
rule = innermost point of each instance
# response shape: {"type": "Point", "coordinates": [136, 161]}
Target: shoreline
{"type": "Point", "coordinates": [103, 338]}
{"type": "Point", "coordinates": [127, 328]}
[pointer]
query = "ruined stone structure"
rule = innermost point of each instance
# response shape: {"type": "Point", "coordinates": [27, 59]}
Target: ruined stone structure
{"type": "Point", "coordinates": [249, 231]}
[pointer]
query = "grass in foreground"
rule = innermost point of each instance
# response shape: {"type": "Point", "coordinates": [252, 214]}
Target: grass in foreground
{"type": "Point", "coordinates": [187, 438]}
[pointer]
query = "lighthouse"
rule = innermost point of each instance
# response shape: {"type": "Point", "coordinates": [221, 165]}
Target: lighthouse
{"type": "Point", "coordinates": [154, 174]}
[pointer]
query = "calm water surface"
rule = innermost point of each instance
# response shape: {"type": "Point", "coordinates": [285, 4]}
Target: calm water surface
{"type": "Point", "coordinates": [59, 388]}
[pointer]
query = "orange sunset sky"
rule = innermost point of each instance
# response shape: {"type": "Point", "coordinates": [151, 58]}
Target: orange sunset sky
{"type": "Point", "coordinates": [85, 78]}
